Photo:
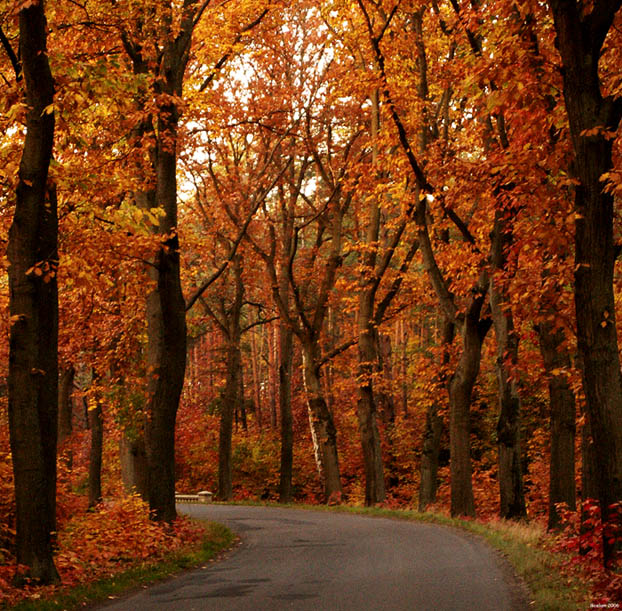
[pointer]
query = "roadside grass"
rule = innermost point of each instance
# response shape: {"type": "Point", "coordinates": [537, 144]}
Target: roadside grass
{"type": "Point", "coordinates": [525, 545]}
{"type": "Point", "coordinates": [217, 539]}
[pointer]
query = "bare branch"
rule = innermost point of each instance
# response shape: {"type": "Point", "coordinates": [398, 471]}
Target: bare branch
{"type": "Point", "coordinates": [17, 67]}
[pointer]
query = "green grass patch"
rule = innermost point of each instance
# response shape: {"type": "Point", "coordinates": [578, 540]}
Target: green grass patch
{"type": "Point", "coordinates": [523, 544]}
{"type": "Point", "coordinates": [217, 538]}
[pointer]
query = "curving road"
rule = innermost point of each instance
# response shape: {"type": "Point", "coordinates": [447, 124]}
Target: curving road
{"type": "Point", "coordinates": [312, 560]}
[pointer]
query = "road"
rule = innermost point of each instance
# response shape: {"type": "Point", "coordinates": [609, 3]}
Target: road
{"type": "Point", "coordinates": [314, 560]}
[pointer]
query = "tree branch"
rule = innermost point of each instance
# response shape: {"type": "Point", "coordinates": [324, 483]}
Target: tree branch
{"type": "Point", "coordinates": [221, 62]}
{"type": "Point", "coordinates": [17, 67]}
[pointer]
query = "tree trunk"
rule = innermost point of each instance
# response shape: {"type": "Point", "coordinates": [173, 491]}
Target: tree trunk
{"type": "Point", "coordinates": [231, 392]}
{"type": "Point", "coordinates": [460, 391]}
{"type": "Point", "coordinates": [366, 412]}
{"type": "Point", "coordinates": [241, 402]}
{"type": "Point", "coordinates": [563, 421]}
{"type": "Point", "coordinates": [580, 37]}
{"type": "Point", "coordinates": [403, 344]}
{"type": "Point", "coordinates": [33, 308]}
{"type": "Point", "coordinates": [273, 374]}
{"type": "Point", "coordinates": [428, 484]}
{"type": "Point", "coordinates": [133, 458]}
{"type": "Point", "coordinates": [166, 331]}
{"type": "Point", "coordinates": [385, 401]}
{"type": "Point", "coordinates": [287, 420]}
{"type": "Point", "coordinates": [511, 489]}
{"type": "Point", "coordinates": [65, 413]}
{"type": "Point", "coordinates": [229, 402]}
{"type": "Point", "coordinates": [256, 369]}
{"type": "Point", "coordinates": [322, 425]}
{"type": "Point", "coordinates": [286, 353]}
{"type": "Point", "coordinates": [95, 454]}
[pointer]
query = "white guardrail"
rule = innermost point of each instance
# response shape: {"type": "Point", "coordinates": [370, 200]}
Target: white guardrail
{"type": "Point", "coordinates": [201, 497]}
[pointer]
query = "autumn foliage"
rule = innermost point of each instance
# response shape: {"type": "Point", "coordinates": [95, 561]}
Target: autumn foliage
{"type": "Point", "coordinates": [377, 242]}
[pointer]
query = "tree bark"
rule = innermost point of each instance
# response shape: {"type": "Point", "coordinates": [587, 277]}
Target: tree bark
{"type": "Point", "coordinates": [562, 488]}
{"type": "Point", "coordinates": [322, 425]}
{"type": "Point", "coordinates": [95, 454]}
{"type": "Point", "coordinates": [33, 307]}
{"type": "Point", "coordinates": [366, 406]}
{"type": "Point", "coordinates": [166, 330]}
{"type": "Point", "coordinates": [511, 490]}
{"type": "Point", "coordinates": [287, 421]}
{"type": "Point", "coordinates": [580, 37]}
{"type": "Point", "coordinates": [231, 392]}
{"type": "Point", "coordinates": [256, 370]}
{"type": "Point", "coordinates": [65, 413]}
{"type": "Point", "coordinates": [286, 352]}
{"type": "Point", "coordinates": [460, 391]}
{"type": "Point", "coordinates": [228, 405]}
{"type": "Point", "coordinates": [434, 427]}
{"type": "Point", "coordinates": [133, 458]}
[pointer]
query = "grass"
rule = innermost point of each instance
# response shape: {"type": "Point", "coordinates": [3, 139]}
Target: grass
{"type": "Point", "coordinates": [217, 538]}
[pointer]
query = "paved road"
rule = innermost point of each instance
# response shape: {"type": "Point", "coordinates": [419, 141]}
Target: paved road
{"type": "Point", "coordinates": [311, 560]}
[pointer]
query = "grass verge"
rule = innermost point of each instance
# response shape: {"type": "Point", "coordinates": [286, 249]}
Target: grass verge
{"type": "Point", "coordinates": [526, 546]}
{"type": "Point", "coordinates": [217, 538]}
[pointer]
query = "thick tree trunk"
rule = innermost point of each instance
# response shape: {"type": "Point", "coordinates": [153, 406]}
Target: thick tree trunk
{"type": "Point", "coordinates": [322, 425]}
{"type": "Point", "coordinates": [580, 37]}
{"type": "Point", "coordinates": [166, 330]}
{"type": "Point", "coordinates": [95, 454]}
{"type": "Point", "coordinates": [428, 484]}
{"type": "Point", "coordinates": [562, 488]}
{"type": "Point", "coordinates": [460, 390]}
{"type": "Point", "coordinates": [33, 307]}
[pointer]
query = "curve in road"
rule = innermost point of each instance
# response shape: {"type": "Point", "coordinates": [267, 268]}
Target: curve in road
{"type": "Point", "coordinates": [312, 560]}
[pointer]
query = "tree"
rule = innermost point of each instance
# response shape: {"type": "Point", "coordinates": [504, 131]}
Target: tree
{"type": "Point", "coordinates": [593, 117]}
{"type": "Point", "coordinates": [33, 358]}
{"type": "Point", "coordinates": [163, 59]}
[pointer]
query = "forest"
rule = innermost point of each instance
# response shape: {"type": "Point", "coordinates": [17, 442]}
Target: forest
{"type": "Point", "coordinates": [318, 251]}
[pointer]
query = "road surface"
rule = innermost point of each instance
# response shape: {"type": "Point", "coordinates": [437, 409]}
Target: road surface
{"type": "Point", "coordinates": [320, 560]}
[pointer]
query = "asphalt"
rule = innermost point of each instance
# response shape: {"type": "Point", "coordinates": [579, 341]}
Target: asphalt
{"type": "Point", "coordinates": [313, 560]}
